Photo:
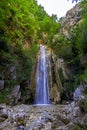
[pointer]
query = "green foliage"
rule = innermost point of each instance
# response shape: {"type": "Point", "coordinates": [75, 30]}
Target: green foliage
{"type": "Point", "coordinates": [4, 95]}
{"type": "Point", "coordinates": [61, 75]}
{"type": "Point", "coordinates": [62, 47]}
{"type": "Point", "coordinates": [22, 24]}
{"type": "Point", "coordinates": [83, 76]}
{"type": "Point", "coordinates": [75, 127]}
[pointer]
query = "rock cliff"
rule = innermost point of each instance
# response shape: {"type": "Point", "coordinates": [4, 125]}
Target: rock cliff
{"type": "Point", "coordinates": [71, 19]}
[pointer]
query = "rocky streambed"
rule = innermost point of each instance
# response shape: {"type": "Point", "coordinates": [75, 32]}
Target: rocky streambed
{"type": "Point", "coordinates": [51, 117]}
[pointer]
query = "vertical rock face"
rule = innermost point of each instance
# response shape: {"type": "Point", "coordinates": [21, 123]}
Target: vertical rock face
{"type": "Point", "coordinates": [56, 88]}
{"type": "Point", "coordinates": [72, 18]}
{"type": "Point", "coordinates": [33, 80]}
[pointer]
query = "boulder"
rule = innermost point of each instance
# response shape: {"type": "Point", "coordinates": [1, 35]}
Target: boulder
{"type": "Point", "coordinates": [3, 113]}
{"type": "Point", "coordinates": [79, 92]}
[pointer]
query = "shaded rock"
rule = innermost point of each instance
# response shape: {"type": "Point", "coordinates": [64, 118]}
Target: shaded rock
{"type": "Point", "coordinates": [85, 89]}
{"type": "Point", "coordinates": [47, 126]}
{"type": "Point", "coordinates": [20, 127]}
{"type": "Point", "coordinates": [15, 95]}
{"type": "Point", "coordinates": [83, 103]}
{"type": "Point", "coordinates": [16, 90]}
{"type": "Point", "coordinates": [57, 123]}
{"type": "Point", "coordinates": [3, 113]}
{"type": "Point", "coordinates": [56, 88]}
{"type": "Point", "coordinates": [33, 80]}
{"type": "Point", "coordinates": [20, 119]}
{"type": "Point", "coordinates": [84, 60]}
{"type": "Point", "coordinates": [56, 74]}
{"type": "Point", "coordinates": [81, 120]}
{"type": "Point", "coordinates": [80, 96]}
{"type": "Point", "coordinates": [13, 71]}
{"type": "Point", "coordinates": [1, 84]}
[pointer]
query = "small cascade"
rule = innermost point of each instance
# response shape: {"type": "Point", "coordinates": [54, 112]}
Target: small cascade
{"type": "Point", "coordinates": [42, 88]}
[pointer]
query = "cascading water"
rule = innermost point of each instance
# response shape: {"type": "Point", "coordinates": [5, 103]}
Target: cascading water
{"type": "Point", "coordinates": [42, 90]}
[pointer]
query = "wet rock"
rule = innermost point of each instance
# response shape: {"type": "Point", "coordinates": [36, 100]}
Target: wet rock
{"type": "Point", "coordinates": [20, 127]}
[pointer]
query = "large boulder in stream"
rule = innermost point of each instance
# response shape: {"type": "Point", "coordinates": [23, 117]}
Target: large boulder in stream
{"type": "Point", "coordinates": [80, 96]}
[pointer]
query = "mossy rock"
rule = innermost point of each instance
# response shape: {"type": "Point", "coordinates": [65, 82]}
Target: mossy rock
{"type": "Point", "coordinates": [83, 104]}
{"type": "Point", "coordinates": [76, 127]}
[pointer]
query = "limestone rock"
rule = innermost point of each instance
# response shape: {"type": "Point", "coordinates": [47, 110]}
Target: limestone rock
{"type": "Point", "coordinates": [54, 94]}
{"type": "Point", "coordinates": [72, 18]}
{"type": "Point", "coordinates": [79, 92]}
{"type": "Point", "coordinates": [20, 127]}
{"type": "Point", "coordinates": [13, 72]}
{"type": "Point", "coordinates": [52, 117]}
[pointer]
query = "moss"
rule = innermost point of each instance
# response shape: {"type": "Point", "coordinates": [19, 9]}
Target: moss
{"type": "Point", "coordinates": [83, 76]}
{"type": "Point", "coordinates": [75, 127]}
{"type": "Point", "coordinates": [4, 95]}
{"type": "Point", "coordinates": [61, 75]}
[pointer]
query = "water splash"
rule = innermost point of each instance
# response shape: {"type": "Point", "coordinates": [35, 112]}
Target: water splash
{"type": "Point", "coordinates": [42, 88]}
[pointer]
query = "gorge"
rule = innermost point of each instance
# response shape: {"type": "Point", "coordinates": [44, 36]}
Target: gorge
{"type": "Point", "coordinates": [43, 67]}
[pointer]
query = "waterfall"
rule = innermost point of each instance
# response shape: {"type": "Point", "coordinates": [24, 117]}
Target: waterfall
{"type": "Point", "coordinates": [42, 88]}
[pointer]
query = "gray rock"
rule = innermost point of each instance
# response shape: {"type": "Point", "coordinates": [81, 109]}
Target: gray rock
{"type": "Point", "coordinates": [16, 90]}
{"type": "Point", "coordinates": [15, 95]}
{"type": "Point", "coordinates": [13, 71]}
{"type": "Point", "coordinates": [77, 94]}
{"type": "Point", "coordinates": [71, 19]}
{"type": "Point", "coordinates": [20, 127]}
